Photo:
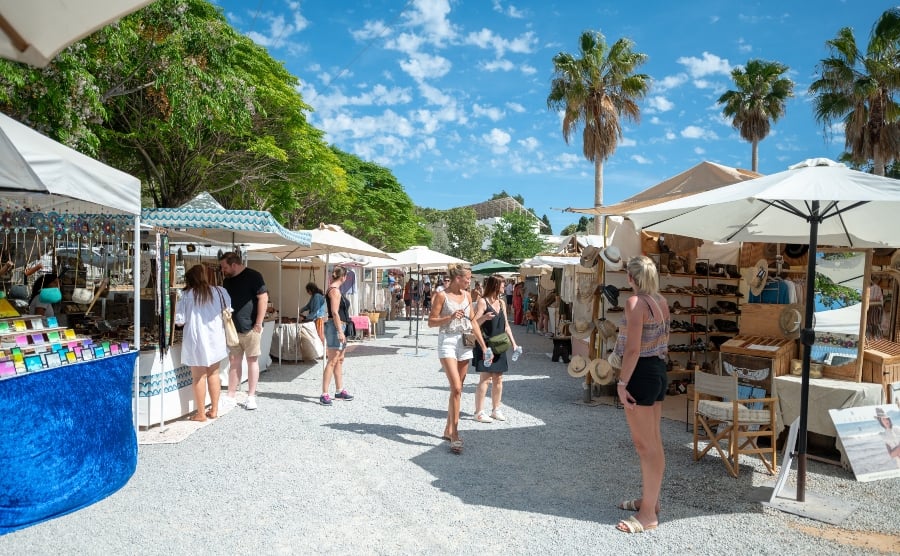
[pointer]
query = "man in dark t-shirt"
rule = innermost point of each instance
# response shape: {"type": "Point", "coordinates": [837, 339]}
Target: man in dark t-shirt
{"type": "Point", "coordinates": [249, 300]}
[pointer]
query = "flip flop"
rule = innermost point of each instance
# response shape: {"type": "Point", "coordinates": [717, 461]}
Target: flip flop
{"type": "Point", "coordinates": [631, 505]}
{"type": "Point", "coordinates": [634, 525]}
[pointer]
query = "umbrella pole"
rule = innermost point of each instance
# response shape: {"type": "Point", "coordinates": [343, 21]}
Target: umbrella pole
{"type": "Point", "coordinates": [419, 292]}
{"type": "Point", "coordinates": [807, 337]}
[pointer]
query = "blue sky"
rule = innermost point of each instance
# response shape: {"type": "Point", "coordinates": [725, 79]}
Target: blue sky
{"type": "Point", "coordinates": [451, 94]}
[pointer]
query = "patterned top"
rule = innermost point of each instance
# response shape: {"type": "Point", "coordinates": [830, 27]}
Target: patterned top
{"type": "Point", "coordinates": [654, 336]}
{"type": "Point", "coordinates": [455, 326]}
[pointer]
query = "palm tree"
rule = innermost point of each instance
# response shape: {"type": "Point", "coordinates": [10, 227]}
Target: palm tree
{"type": "Point", "coordinates": [858, 89]}
{"type": "Point", "coordinates": [596, 90]}
{"type": "Point", "coordinates": [758, 101]}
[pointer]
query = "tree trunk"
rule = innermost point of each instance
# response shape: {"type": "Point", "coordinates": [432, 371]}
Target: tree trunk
{"type": "Point", "coordinates": [754, 160]}
{"type": "Point", "coordinates": [598, 194]}
{"type": "Point", "coordinates": [878, 160]}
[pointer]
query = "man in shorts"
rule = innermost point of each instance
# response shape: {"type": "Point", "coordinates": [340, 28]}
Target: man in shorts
{"type": "Point", "coordinates": [249, 299]}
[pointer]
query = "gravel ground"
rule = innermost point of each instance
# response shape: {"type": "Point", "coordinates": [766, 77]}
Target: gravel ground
{"type": "Point", "coordinates": [372, 476]}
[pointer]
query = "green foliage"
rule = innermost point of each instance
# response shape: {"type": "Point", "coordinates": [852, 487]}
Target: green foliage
{"type": "Point", "coordinates": [503, 193]}
{"type": "Point", "coordinates": [514, 239]}
{"type": "Point", "coordinates": [583, 225]}
{"type": "Point", "coordinates": [835, 296]}
{"type": "Point", "coordinates": [546, 221]}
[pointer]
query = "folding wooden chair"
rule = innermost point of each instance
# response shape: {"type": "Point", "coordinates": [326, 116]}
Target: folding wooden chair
{"type": "Point", "coordinates": [730, 426]}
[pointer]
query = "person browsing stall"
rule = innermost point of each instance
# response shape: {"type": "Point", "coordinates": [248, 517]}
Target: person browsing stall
{"type": "Point", "coordinates": [335, 338]}
{"type": "Point", "coordinates": [38, 305]}
{"type": "Point", "coordinates": [316, 307]}
{"type": "Point", "coordinates": [203, 346]}
{"type": "Point", "coordinates": [453, 313]}
{"type": "Point", "coordinates": [249, 298]}
{"type": "Point", "coordinates": [643, 344]}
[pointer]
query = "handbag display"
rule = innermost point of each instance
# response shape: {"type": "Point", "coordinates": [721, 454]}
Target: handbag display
{"type": "Point", "coordinates": [50, 295]}
{"type": "Point", "coordinates": [231, 334]}
{"type": "Point", "coordinates": [499, 343]}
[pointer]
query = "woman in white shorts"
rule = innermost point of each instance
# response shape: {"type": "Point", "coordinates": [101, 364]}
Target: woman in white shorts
{"type": "Point", "coordinates": [452, 311]}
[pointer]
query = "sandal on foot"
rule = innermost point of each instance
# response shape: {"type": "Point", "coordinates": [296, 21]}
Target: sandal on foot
{"type": "Point", "coordinates": [632, 505]}
{"type": "Point", "coordinates": [456, 446]}
{"type": "Point", "coordinates": [197, 418]}
{"type": "Point", "coordinates": [633, 525]}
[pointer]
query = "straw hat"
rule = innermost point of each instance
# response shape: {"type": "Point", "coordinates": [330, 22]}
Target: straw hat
{"type": "Point", "coordinates": [602, 372]}
{"type": "Point", "coordinates": [589, 256]}
{"type": "Point", "coordinates": [790, 320]}
{"type": "Point", "coordinates": [615, 360]}
{"type": "Point", "coordinates": [758, 279]}
{"type": "Point", "coordinates": [612, 258]}
{"type": "Point", "coordinates": [547, 282]}
{"type": "Point", "coordinates": [578, 367]}
{"type": "Point", "coordinates": [581, 329]}
{"type": "Point", "coordinates": [607, 328]}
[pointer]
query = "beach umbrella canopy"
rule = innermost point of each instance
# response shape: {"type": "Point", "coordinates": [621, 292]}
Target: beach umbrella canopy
{"type": "Point", "coordinates": [327, 238]}
{"type": "Point", "coordinates": [494, 266]}
{"type": "Point", "coordinates": [418, 256]}
{"type": "Point", "coordinates": [35, 31]}
{"type": "Point", "coordinates": [815, 201]}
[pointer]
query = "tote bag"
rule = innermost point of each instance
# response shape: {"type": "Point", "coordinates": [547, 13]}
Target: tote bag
{"type": "Point", "coordinates": [231, 333]}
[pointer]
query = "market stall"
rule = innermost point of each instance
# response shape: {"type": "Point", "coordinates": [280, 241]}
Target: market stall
{"type": "Point", "coordinates": [59, 457]}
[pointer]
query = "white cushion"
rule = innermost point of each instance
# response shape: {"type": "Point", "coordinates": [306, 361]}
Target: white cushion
{"type": "Point", "coordinates": [724, 411]}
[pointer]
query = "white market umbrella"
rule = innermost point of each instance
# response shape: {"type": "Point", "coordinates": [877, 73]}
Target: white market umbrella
{"type": "Point", "coordinates": [35, 31]}
{"type": "Point", "coordinates": [420, 258]}
{"type": "Point", "coordinates": [814, 201]}
{"type": "Point", "coordinates": [327, 238]}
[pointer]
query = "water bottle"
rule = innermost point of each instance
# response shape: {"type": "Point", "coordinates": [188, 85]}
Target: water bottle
{"type": "Point", "coordinates": [516, 353]}
{"type": "Point", "coordinates": [488, 357]}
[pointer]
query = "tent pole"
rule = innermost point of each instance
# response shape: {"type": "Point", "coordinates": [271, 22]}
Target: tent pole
{"type": "Point", "coordinates": [135, 274]}
{"type": "Point", "coordinates": [419, 295]}
{"type": "Point", "coordinates": [807, 337]}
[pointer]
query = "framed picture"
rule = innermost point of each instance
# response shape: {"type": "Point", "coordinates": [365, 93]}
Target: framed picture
{"type": "Point", "coordinates": [871, 439]}
{"type": "Point", "coordinates": [368, 275]}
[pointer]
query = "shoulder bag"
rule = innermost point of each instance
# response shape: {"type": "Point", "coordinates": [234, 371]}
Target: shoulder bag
{"type": "Point", "coordinates": [499, 343]}
{"type": "Point", "coordinates": [231, 334]}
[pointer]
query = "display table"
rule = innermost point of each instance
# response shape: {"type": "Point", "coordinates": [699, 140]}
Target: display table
{"type": "Point", "coordinates": [166, 377]}
{"type": "Point", "coordinates": [362, 323]}
{"type": "Point", "coordinates": [824, 394]}
{"type": "Point", "coordinates": [67, 439]}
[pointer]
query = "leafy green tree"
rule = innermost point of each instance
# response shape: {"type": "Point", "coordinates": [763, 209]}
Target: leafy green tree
{"type": "Point", "coordinates": [546, 221]}
{"type": "Point", "coordinates": [465, 238]}
{"type": "Point", "coordinates": [859, 88]}
{"type": "Point", "coordinates": [583, 225]}
{"type": "Point", "coordinates": [503, 193]}
{"type": "Point", "coordinates": [759, 101]}
{"type": "Point", "coordinates": [595, 91]}
{"type": "Point", "coordinates": [376, 209]}
{"type": "Point", "coordinates": [514, 239]}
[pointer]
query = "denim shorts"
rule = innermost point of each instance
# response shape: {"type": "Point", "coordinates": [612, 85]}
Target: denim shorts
{"type": "Point", "coordinates": [331, 336]}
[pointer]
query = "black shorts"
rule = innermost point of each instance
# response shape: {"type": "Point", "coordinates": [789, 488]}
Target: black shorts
{"type": "Point", "coordinates": [649, 381]}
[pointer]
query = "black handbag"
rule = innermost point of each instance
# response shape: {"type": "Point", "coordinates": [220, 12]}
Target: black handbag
{"type": "Point", "coordinates": [349, 329]}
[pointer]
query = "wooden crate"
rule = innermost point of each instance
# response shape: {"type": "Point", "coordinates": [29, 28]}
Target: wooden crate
{"type": "Point", "coordinates": [881, 364]}
{"type": "Point", "coordinates": [762, 319]}
{"type": "Point", "coordinates": [780, 350]}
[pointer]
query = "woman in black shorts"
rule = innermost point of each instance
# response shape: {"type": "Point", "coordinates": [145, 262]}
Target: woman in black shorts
{"type": "Point", "coordinates": [643, 344]}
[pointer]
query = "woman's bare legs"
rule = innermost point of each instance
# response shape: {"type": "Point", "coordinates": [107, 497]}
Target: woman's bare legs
{"type": "Point", "coordinates": [214, 382]}
{"type": "Point", "coordinates": [198, 374]}
{"type": "Point", "coordinates": [496, 391]}
{"type": "Point", "coordinates": [481, 391]}
{"type": "Point", "coordinates": [333, 368]}
{"type": "Point", "coordinates": [456, 375]}
{"type": "Point", "coordinates": [643, 422]}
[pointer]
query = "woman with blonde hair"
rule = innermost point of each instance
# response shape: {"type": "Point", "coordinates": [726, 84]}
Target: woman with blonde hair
{"type": "Point", "coordinates": [643, 345]}
{"type": "Point", "coordinates": [492, 316]}
{"type": "Point", "coordinates": [335, 338]}
{"type": "Point", "coordinates": [452, 311]}
{"type": "Point", "coordinates": [203, 347]}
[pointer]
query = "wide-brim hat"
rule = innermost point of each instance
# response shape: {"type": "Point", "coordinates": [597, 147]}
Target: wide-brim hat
{"type": "Point", "coordinates": [606, 328]}
{"type": "Point", "coordinates": [547, 282]}
{"type": "Point", "coordinates": [578, 366]}
{"type": "Point", "coordinates": [602, 372]}
{"type": "Point", "coordinates": [790, 320]}
{"type": "Point", "coordinates": [615, 360]}
{"type": "Point", "coordinates": [795, 250]}
{"type": "Point", "coordinates": [589, 256]}
{"type": "Point", "coordinates": [757, 280]}
{"type": "Point", "coordinates": [581, 329]}
{"type": "Point", "coordinates": [611, 293]}
{"type": "Point", "coordinates": [612, 258]}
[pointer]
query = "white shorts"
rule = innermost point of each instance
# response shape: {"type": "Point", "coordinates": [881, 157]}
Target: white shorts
{"type": "Point", "coordinates": [451, 345]}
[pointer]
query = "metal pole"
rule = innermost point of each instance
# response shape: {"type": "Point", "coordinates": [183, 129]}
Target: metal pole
{"type": "Point", "coordinates": [807, 337]}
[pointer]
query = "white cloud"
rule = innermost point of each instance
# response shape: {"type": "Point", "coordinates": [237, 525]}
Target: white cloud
{"type": "Point", "coordinates": [696, 132]}
{"type": "Point", "coordinates": [490, 112]}
{"type": "Point", "coordinates": [421, 66]}
{"type": "Point", "coordinates": [497, 140]}
{"type": "Point", "coordinates": [670, 82]}
{"type": "Point", "coordinates": [626, 142]}
{"type": "Point", "coordinates": [655, 120]}
{"type": "Point", "coordinates": [567, 160]}
{"type": "Point", "coordinates": [640, 159]}
{"type": "Point", "coordinates": [497, 65]}
{"type": "Point", "coordinates": [743, 46]}
{"type": "Point", "coordinates": [431, 17]}
{"type": "Point", "coordinates": [510, 10]}
{"type": "Point", "coordinates": [406, 43]}
{"type": "Point", "coordinates": [515, 107]}
{"type": "Point", "coordinates": [486, 39]}
{"type": "Point", "coordinates": [529, 143]}
{"type": "Point", "coordinates": [670, 135]}
{"type": "Point", "coordinates": [661, 104]}
{"type": "Point", "coordinates": [371, 30]}
{"type": "Point", "coordinates": [527, 70]}
{"type": "Point", "coordinates": [699, 150]}
{"type": "Point", "coordinates": [709, 64]}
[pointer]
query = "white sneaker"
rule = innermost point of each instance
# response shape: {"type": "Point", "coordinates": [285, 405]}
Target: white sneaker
{"type": "Point", "coordinates": [497, 415]}
{"type": "Point", "coordinates": [482, 417]}
{"type": "Point", "coordinates": [251, 403]}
